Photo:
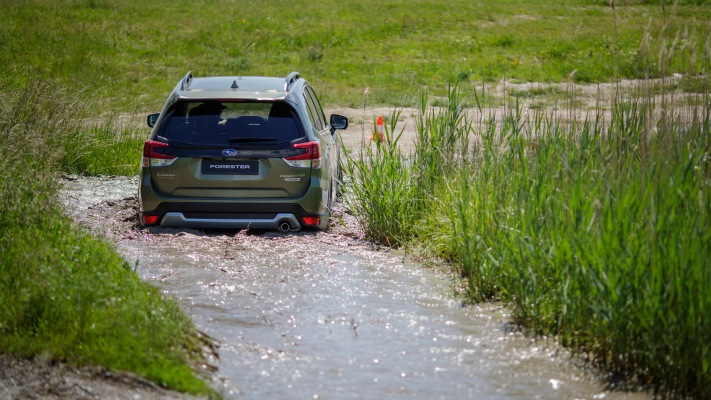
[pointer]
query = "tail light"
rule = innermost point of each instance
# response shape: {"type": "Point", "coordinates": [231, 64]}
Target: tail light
{"type": "Point", "coordinates": [311, 221]}
{"type": "Point", "coordinates": [310, 157]}
{"type": "Point", "coordinates": [152, 158]}
{"type": "Point", "coordinates": [150, 220]}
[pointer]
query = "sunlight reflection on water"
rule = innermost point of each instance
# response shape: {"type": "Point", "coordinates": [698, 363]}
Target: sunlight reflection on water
{"type": "Point", "coordinates": [318, 316]}
{"type": "Point", "coordinates": [299, 318]}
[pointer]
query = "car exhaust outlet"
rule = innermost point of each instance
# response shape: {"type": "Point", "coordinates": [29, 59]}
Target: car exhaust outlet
{"type": "Point", "coordinates": [284, 226]}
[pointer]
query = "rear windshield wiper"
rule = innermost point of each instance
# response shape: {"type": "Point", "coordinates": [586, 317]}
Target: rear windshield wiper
{"type": "Point", "coordinates": [251, 139]}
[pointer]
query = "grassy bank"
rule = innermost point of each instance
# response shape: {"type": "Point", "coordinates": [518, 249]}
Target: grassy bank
{"type": "Point", "coordinates": [596, 230]}
{"type": "Point", "coordinates": [127, 52]}
{"type": "Point", "coordinates": [66, 295]}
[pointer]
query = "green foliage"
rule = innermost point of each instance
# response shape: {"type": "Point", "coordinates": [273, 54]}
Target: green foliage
{"type": "Point", "coordinates": [108, 147]}
{"type": "Point", "coordinates": [66, 295]}
{"type": "Point", "coordinates": [596, 232]}
{"type": "Point", "coordinates": [372, 175]}
{"type": "Point", "coordinates": [603, 240]}
{"type": "Point", "coordinates": [53, 125]}
{"type": "Point", "coordinates": [127, 52]}
{"type": "Point", "coordinates": [389, 190]}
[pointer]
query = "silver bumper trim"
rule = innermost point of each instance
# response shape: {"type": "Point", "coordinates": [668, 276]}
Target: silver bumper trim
{"type": "Point", "coordinates": [280, 222]}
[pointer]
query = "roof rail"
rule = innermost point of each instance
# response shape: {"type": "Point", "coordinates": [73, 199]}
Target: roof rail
{"type": "Point", "coordinates": [290, 79]}
{"type": "Point", "coordinates": [187, 80]}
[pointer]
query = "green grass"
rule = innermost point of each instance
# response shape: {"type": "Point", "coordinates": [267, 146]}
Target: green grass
{"type": "Point", "coordinates": [108, 147]}
{"type": "Point", "coordinates": [127, 54]}
{"type": "Point", "coordinates": [83, 143]}
{"type": "Point", "coordinates": [598, 232]}
{"type": "Point", "coordinates": [594, 232]}
{"type": "Point", "coordinates": [67, 295]}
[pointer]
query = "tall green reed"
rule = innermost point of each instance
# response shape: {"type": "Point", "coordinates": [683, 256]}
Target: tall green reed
{"type": "Point", "coordinates": [53, 126]}
{"type": "Point", "coordinates": [381, 189]}
{"type": "Point", "coordinates": [594, 226]}
{"type": "Point", "coordinates": [599, 234]}
{"type": "Point", "coordinates": [596, 230]}
{"type": "Point", "coordinates": [389, 190]}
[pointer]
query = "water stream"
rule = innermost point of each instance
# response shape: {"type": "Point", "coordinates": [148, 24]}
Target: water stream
{"type": "Point", "coordinates": [324, 316]}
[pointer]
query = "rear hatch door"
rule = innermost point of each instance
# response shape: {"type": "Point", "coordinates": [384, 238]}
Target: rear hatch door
{"type": "Point", "coordinates": [230, 150]}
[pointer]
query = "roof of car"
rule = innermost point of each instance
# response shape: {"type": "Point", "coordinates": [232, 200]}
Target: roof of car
{"type": "Point", "coordinates": [237, 87]}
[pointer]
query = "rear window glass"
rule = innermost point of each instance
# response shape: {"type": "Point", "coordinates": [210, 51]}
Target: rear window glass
{"type": "Point", "coordinates": [230, 123]}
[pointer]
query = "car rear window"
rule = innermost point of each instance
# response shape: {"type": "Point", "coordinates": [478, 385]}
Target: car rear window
{"type": "Point", "coordinates": [230, 123]}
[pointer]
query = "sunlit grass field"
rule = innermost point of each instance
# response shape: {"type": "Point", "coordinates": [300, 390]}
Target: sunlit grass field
{"type": "Point", "coordinates": [129, 54]}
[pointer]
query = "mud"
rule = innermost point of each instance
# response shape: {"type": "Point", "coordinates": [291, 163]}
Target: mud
{"type": "Point", "coordinates": [24, 379]}
{"type": "Point", "coordinates": [563, 102]}
{"type": "Point", "coordinates": [327, 315]}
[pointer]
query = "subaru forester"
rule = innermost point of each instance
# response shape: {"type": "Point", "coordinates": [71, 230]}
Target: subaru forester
{"type": "Point", "coordinates": [241, 153]}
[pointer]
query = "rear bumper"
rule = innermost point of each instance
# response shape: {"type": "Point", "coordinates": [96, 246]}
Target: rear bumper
{"type": "Point", "coordinates": [282, 222]}
{"type": "Point", "coordinates": [233, 214]}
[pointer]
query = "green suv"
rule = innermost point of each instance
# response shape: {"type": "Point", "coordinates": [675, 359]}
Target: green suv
{"type": "Point", "coordinates": [240, 152]}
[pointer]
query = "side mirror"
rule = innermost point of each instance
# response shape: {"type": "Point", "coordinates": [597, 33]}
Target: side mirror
{"type": "Point", "coordinates": [152, 119]}
{"type": "Point", "coordinates": [338, 122]}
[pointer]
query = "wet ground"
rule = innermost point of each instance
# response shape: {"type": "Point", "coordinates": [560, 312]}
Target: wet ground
{"type": "Point", "coordinates": [328, 316]}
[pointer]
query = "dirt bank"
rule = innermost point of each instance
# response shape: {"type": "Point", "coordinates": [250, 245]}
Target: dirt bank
{"type": "Point", "coordinates": [24, 379]}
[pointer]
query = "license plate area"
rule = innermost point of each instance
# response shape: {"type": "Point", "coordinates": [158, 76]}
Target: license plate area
{"type": "Point", "coordinates": [229, 167]}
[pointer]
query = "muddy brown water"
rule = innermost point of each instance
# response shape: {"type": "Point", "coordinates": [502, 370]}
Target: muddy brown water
{"type": "Point", "coordinates": [327, 316]}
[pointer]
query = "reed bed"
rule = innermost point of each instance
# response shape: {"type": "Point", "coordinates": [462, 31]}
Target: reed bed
{"type": "Point", "coordinates": [596, 230]}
